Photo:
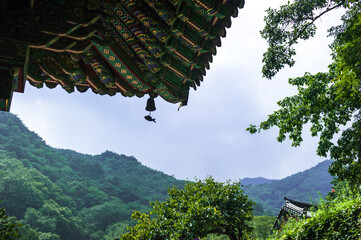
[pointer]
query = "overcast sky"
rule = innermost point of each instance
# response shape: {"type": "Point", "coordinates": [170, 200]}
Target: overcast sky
{"type": "Point", "coordinates": [207, 137]}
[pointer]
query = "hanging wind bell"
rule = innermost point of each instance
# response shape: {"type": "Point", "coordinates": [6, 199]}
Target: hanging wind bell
{"type": "Point", "coordinates": [150, 107]}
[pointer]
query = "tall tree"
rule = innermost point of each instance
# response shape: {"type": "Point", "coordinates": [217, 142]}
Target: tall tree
{"type": "Point", "coordinates": [8, 229]}
{"type": "Point", "coordinates": [327, 100]}
{"type": "Point", "coordinates": [201, 208]}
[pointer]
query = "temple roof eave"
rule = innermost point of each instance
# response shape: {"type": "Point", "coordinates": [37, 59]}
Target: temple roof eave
{"type": "Point", "coordinates": [129, 47]}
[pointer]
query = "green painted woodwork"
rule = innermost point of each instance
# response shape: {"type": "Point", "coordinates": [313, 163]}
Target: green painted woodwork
{"type": "Point", "coordinates": [132, 47]}
{"type": "Point", "coordinates": [121, 69]}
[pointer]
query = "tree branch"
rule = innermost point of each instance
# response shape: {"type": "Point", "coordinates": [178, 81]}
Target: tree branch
{"type": "Point", "coordinates": [313, 20]}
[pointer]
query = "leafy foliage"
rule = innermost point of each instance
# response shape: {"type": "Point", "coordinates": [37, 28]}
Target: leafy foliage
{"type": "Point", "coordinates": [262, 226]}
{"type": "Point", "coordinates": [8, 229]}
{"type": "Point", "coordinates": [203, 207]}
{"type": "Point", "coordinates": [336, 218]}
{"type": "Point", "coordinates": [325, 100]}
{"type": "Point", "coordinates": [286, 26]}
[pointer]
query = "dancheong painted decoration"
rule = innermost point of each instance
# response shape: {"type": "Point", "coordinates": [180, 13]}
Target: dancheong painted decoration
{"type": "Point", "coordinates": [131, 47]}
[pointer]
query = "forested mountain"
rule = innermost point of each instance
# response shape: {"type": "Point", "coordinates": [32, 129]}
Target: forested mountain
{"type": "Point", "coordinates": [67, 195]}
{"type": "Point", "coordinates": [62, 194]}
{"type": "Point", "coordinates": [304, 186]}
{"type": "Point", "coordinates": [255, 181]}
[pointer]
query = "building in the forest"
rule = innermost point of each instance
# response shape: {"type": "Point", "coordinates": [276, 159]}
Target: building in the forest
{"type": "Point", "coordinates": [131, 47]}
{"type": "Point", "coordinates": [290, 210]}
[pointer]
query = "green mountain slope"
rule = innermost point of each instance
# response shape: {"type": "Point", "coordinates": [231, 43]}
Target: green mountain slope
{"type": "Point", "coordinates": [255, 181]}
{"type": "Point", "coordinates": [68, 195]}
{"type": "Point", "coordinates": [62, 194]}
{"type": "Point", "coordinates": [304, 186]}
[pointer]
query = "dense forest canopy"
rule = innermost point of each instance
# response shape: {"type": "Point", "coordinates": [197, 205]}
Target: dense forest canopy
{"type": "Point", "coordinates": [67, 195]}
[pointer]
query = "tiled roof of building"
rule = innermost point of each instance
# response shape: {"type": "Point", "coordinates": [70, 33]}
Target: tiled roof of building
{"type": "Point", "coordinates": [131, 47]}
{"type": "Point", "coordinates": [292, 209]}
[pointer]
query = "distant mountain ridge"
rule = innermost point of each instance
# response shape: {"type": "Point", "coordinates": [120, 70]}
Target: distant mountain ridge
{"type": "Point", "coordinates": [306, 186]}
{"type": "Point", "coordinates": [256, 181]}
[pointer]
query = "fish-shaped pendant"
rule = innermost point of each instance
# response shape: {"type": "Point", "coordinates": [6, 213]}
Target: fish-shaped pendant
{"type": "Point", "coordinates": [149, 118]}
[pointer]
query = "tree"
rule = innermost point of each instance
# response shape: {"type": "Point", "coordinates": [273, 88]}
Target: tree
{"type": "Point", "coordinates": [99, 217]}
{"type": "Point", "coordinates": [326, 100]}
{"type": "Point", "coordinates": [203, 207]}
{"type": "Point", "coordinates": [52, 218]}
{"type": "Point", "coordinates": [8, 229]}
{"type": "Point", "coordinates": [262, 226]}
{"type": "Point", "coordinates": [115, 230]}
